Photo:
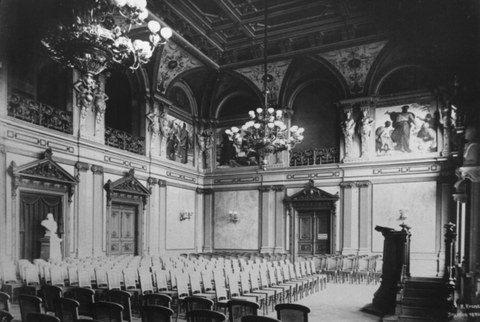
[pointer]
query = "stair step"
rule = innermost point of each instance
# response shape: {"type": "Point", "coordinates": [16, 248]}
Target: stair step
{"type": "Point", "coordinates": [422, 302]}
{"type": "Point", "coordinates": [418, 311]}
{"type": "Point", "coordinates": [422, 293]}
{"type": "Point", "coordinates": [411, 318]}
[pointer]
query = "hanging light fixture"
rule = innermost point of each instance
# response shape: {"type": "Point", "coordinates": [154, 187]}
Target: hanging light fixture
{"type": "Point", "coordinates": [265, 133]}
{"type": "Point", "coordinates": [93, 36]}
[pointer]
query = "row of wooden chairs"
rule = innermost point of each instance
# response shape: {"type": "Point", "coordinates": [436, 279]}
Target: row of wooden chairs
{"type": "Point", "coordinates": [351, 268]}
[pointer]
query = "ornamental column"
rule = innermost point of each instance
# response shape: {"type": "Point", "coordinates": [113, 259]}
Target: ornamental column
{"type": "Point", "coordinates": [365, 216]}
{"type": "Point", "coordinates": [153, 218]}
{"type": "Point", "coordinates": [83, 212]}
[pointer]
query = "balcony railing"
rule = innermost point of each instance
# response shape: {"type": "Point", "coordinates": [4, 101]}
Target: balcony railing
{"type": "Point", "coordinates": [314, 157]}
{"type": "Point", "coordinates": [124, 140]}
{"type": "Point", "coordinates": [38, 113]}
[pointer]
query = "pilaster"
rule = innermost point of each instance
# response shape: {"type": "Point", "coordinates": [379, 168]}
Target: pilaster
{"type": "Point", "coordinates": [162, 216]}
{"type": "Point", "coordinates": [152, 217]}
{"type": "Point", "coordinates": [365, 216]}
{"type": "Point", "coordinates": [280, 218]}
{"type": "Point", "coordinates": [349, 224]}
{"type": "Point", "coordinates": [83, 239]}
{"type": "Point", "coordinates": [207, 219]}
{"type": "Point", "coordinates": [267, 220]}
{"type": "Point", "coordinates": [99, 212]}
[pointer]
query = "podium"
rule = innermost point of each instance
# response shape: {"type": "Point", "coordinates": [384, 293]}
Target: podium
{"type": "Point", "coordinates": [396, 266]}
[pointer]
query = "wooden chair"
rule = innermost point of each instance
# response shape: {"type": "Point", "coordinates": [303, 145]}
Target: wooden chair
{"type": "Point", "coordinates": [67, 309]}
{"type": "Point", "coordinates": [29, 304]}
{"type": "Point", "coordinates": [5, 316]}
{"type": "Point", "coordinates": [123, 298]}
{"type": "Point", "coordinates": [292, 312]}
{"type": "Point", "coordinates": [4, 302]}
{"type": "Point", "coordinates": [156, 299]}
{"type": "Point", "coordinates": [196, 287]}
{"type": "Point", "coordinates": [50, 295]}
{"type": "Point", "coordinates": [162, 283]}
{"type": "Point", "coordinates": [253, 318]}
{"type": "Point", "coordinates": [113, 279]}
{"type": "Point", "coordinates": [11, 283]}
{"type": "Point", "coordinates": [197, 303]}
{"type": "Point", "coordinates": [182, 289]}
{"type": "Point", "coordinates": [107, 311]}
{"type": "Point", "coordinates": [84, 278]}
{"type": "Point", "coordinates": [85, 297]}
{"type": "Point", "coordinates": [205, 316]}
{"type": "Point", "coordinates": [239, 308]}
{"type": "Point", "coordinates": [41, 317]}
{"type": "Point", "coordinates": [156, 313]}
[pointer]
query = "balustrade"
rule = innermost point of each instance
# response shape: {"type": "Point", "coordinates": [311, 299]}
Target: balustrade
{"type": "Point", "coordinates": [124, 141]}
{"type": "Point", "coordinates": [314, 157]}
{"type": "Point", "coordinates": [38, 113]}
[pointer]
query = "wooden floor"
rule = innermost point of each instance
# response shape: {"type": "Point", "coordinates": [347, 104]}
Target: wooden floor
{"type": "Point", "coordinates": [338, 302]}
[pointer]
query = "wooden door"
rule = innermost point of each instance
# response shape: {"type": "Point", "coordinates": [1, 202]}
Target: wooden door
{"type": "Point", "coordinates": [314, 232]}
{"type": "Point", "coordinates": [123, 230]}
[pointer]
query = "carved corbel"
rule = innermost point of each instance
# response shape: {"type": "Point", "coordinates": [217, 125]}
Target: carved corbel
{"type": "Point", "coordinates": [109, 189]}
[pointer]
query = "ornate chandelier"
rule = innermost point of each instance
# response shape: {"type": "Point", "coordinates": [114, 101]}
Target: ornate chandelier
{"type": "Point", "coordinates": [92, 36]}
{"type": "Point", "coordinates": [265, 133]}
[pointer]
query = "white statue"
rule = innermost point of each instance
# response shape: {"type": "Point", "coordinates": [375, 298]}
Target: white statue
{"type": "Point", "coordinates": [51, 233]}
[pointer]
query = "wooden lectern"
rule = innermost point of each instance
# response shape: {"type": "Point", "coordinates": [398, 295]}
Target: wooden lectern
{"type": "Point", "coordinates": [396, 266]}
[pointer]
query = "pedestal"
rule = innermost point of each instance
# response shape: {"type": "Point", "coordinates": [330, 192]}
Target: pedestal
{"type": "Point", "coordinates": [45, 248]}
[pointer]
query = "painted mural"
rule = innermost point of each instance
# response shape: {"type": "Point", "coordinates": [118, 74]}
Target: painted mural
{"type": "Point", "coordinates": [178, 141]}
{"type": "Point", "coordinates": [228, 155]}
{"type": "Point", "coordinates": [405, 129]}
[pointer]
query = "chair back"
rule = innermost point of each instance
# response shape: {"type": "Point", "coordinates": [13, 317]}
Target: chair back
{"type": "Point", "coordinates": [41, 317]}
{"type": "Point", "coordinates": [240, 308]}
{"type": "Point", "coordinates": [258, 318]}
{"type": "Point", "coordinates": [85, 297]}
{"type": "Point", "coordinates": [197, 303]}
{"type": "Point", "coordinates": [182, 284]}
{"type": "Point", "coordinates": [292, 312]}
{"type": "Point", "coordinates": [113, 279]}
{"type": "Point", "coordinates": [101, 278]}
{"type": "Point", "coordinates": [4, 302]}
{"type": "Point", "coordinates": [29, 304]}
{"type": "Point", "coordinates": [84, 278]}
{"type": "Point", "coordinates": [155, 313]}
{"type": "Point", "coordinates": [51, 294]}
{"type": "Point", "coordinates": [146, 283]}
{"type": "Point", "coordinates": [5, 316]}
{"type": "Point", "coordinates": [130, 279]}
{"type": "Point", "coordinates": [205, 316]}
{"type": "Point", "coordinates": [67, 309]}
{"type": "Point", "coordinates": [156, 299]}
{"type": "Point", "coordinates": [107, 311]}
{"type": "Point", "coordinates": [161, 279]}
{"type": "Point", "coordinates": [56, 276]}
{"type": "Point", "coordinates": [124, 299]}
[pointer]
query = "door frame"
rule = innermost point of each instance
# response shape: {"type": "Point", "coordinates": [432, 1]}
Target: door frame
{"type": "Point", "coordinates": [315, 213]}
{"type": "Point", "coordinates": [310, 199]}
{"type": "Point", "coordinates": [138, 227]}
{"type": "Point", "coordinates": [129, 191]}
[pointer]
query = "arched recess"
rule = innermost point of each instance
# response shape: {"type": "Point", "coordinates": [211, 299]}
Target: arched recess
{"type": "Point", "coordinates": [184, 104]}
{"type": "Point", "coordinates": [38, 188]}
{"type": "Point", "coordinates": [233, 97]}
{"type": "Point", "coordinates": [401, 79]}
{"type": "Point", "coordinates": [126, 100]}
{"type": "Point", "coordinates": [127, 199]}
{"type": "Point", "coordinates": [302, 69]}
{"type": "Point", "coordinates": [311, 221]}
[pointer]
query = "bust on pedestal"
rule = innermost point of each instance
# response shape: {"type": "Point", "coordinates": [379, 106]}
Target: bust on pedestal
{"type": "Point", "coordinates": [50, 242]}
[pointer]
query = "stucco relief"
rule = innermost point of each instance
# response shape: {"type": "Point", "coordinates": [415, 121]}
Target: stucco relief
{"type": "Point", "coordinates": [354, 63]}
{"type": "Point", "coordinates": [173, 62]}
{"type": "Point", "coordinates": [275, 74]}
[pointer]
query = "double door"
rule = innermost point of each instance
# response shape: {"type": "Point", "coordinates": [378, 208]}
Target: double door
{"type": "Point", "coordinates": [123, 230]}
{"type": "Point", "coordinates": [314, 232]}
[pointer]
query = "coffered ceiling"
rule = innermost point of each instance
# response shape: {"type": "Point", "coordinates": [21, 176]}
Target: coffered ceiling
{"type": "Point", "coordinates": [231, 32]}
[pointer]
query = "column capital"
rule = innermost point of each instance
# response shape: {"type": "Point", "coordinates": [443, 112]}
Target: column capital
{"type": "Point", "coordinates": [152, 181]}
{"type": "Point", "coordinates": [206, 191]}
{"type": "Point", "coordinates": [278, 188]}
{"type": "Point", "coordinates": [347, 184]}
{"type": "Point", "coordinates": [364, 183]}
{"type": "Point", "coordinates": [96, 169]}
{"type": "Point", "coordinates": [265, 188]}
{"type": "Point", "coordinates": [162, 183]}
{"type": "Point", "coordinates": [82, 166]}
